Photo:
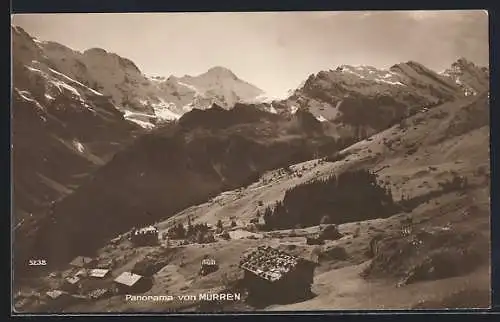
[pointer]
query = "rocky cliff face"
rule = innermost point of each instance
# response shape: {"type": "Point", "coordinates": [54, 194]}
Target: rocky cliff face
{"type": "Point", "coordinates": [61, 129]}
{"type": "Point", "coordinates": [471, 78]}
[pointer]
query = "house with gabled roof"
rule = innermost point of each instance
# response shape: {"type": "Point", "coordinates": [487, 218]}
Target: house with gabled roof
{"type": "Point", "coordinates": [71, 283]}
{"type": "Point", "coordinates": [58, 299]}
{"type": "Point", "coordinates": [55, 294]}
{"type": "Point", "coordinates": [81, 262]}
{"type": "Point", "coordinates": [208, 265]}
{"type": "Point", "coordinates": [128, 282]}
{"type": "Point", "coordinates": [99, 273]}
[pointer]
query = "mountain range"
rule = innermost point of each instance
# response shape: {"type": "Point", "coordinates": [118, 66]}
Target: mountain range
{"type": "Point", "coordinates": [96, 140]}
{"type": "Point", "coordinates": [143, 99]}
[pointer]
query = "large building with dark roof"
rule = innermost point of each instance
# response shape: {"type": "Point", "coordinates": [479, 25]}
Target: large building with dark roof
{"type": "Point", "coordinates": [272, 274]}
{"type": "Point", "coordinates": [145, 236]}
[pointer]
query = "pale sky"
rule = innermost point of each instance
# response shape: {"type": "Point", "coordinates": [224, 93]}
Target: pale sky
{"type": "Point", "coordinates": [274, 51]}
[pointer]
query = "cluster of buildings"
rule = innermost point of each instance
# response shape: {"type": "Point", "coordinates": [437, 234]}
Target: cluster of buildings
{"type": "Point", "coordinates": [269, 274]}
{"type": "Point", "coordinates": [89, 281]}
{"type": "Point", "coordinates": [94, 283]}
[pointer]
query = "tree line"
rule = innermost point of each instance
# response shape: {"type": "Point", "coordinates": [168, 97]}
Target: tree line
{"type": "Point", "coordinates": [198, 233]}
{"type": "Point", "coordinates": [348, 197]}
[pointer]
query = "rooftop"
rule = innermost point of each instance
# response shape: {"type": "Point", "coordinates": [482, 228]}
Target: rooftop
{"type": "Point", "coordinates": [72, 280]}
{"type": "Point", "coordinates": [146, 230]}
{"type": "Point", "coordinates": [208, 262]}
{"type": "Point", "coordinates": [99, 272]}
{"type": "Point", "coordinates": [128, 278]}
{"type": "Point", "coordinates": [80, 261]}
{"type": "Point", "coordinates": [269, 263]}
{"type": "Point", "coordinates": [55, 294]}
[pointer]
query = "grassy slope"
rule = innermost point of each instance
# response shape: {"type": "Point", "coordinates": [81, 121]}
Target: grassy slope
{"type": "Point", "coordinates": [445, 141]}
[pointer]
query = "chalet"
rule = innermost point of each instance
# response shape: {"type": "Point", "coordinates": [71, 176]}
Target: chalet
{"type": "Point", "coordinates": [99, 273]}
{"type": "Point", "coordinates": [106, 263]}
{"type": "Point", "coordinates": [81, 273]}
{"type": "Point", "coordinates": [55, 294]}
{"type": "Point", "coordinates": [208, 265]}
{"type": "Point", "coordinates": [81, 262]}
{"type": "Point", "coordinates": [58, 299]}
{"type": "Point", "coordinates": [129, 282]}
{"type": "Point", "coordinates": [145, 236]}
{"type": "Point", "coordinates": [271, 274]}
{"type": "Point", "coordinates": [99, 293]}
{"type": "Point", "coordinates": [71, 284]}
{"type": "Point", "coordinates": [54, 274]}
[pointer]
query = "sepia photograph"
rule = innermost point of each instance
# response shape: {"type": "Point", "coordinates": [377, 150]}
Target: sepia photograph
{"type": "Point", "coordinates": [250, 161]}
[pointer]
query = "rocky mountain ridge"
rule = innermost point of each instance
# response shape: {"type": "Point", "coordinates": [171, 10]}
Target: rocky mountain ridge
{"type": "Point", "coordinates": [144, 100]}
{"type": "Point", "coordinates": [370, 97]}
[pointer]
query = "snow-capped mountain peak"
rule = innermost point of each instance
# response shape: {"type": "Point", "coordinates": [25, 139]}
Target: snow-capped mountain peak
{"type": "Point", "coordinates": [219, 71]}
{"type": "Point", "coordinates": [143, 99]}
{"type": "Point", "coordinates": [351, 94]}
{"type": "Point", "coordinates": [371, 74]}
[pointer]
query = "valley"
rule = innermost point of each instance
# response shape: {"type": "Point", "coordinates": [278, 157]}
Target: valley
{"type": "Point", "coordinates": [338, 281]}
{"type": "Point", "coordinates": [371, 185]}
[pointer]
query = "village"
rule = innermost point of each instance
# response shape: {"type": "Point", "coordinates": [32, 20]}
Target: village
{"type": "Point", "coordinates": [90, 279]}
{"type": "Point", "coordinates": [223, 247]}
{"type": "Point", "coordinates": [98, 278]}
{"type": "Point", "coordinates": [267, 271]}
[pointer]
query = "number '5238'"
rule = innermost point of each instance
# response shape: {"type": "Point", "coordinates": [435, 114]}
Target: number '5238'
{"type": "Point", "coordinates": [37, 262]}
